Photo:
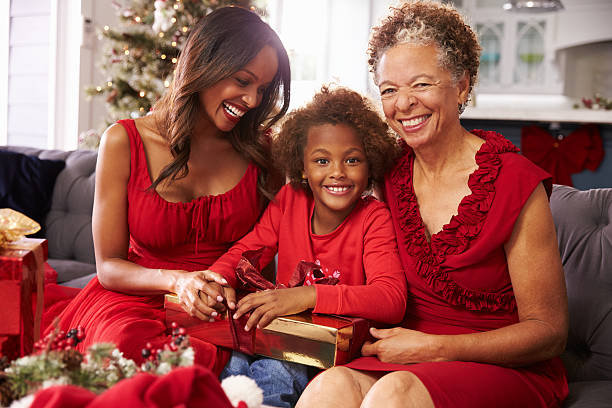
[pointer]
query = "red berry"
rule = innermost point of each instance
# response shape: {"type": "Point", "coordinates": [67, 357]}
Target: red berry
{"type": "Point", "coordinates": [149, 346]}
{"type": "Point", "coordinates": [174, 325]}
{"type": "Point", "coordinates": [182, 331]}
{"type": "Point", "coordinates": [70, 341]}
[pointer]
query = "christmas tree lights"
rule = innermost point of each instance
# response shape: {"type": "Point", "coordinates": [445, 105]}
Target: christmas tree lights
{"type": "Point", "coordinates": [140, 54]}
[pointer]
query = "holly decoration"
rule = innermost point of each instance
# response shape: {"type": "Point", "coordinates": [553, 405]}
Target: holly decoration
{"type": "Point", "coordinates": [597, 102]}
{"type": "Point", "coordinates": [56, 361]}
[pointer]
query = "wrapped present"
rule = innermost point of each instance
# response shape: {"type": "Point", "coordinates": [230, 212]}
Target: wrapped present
{"type": "Point", "coordinates": [307, 338]}
{"type": "Point", "coordinates": [22, 266]}
{"type": "Point", "coordinates": [312, 339]}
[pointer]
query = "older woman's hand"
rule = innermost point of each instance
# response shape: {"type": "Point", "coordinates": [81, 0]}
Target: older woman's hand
{"type": "Point", "coordinates": [402, 346]}
{"type": "Point", "coordinates": [201, 294]}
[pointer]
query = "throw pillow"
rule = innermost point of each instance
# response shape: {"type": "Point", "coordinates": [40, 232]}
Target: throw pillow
{"type": "Point", "coordinates": [26, 183]}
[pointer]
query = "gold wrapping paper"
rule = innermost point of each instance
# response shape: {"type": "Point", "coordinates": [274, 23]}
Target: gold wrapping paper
{"type": "Point", "coordinates": [312, 339]}
{"type": "Point", "coordinates": [14, 226]}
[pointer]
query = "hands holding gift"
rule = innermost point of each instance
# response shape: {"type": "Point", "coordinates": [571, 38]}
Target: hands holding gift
{"type": "Point", "coordinates": [203, 294]}
{"type": "Point", "coordinates": [268, 304]}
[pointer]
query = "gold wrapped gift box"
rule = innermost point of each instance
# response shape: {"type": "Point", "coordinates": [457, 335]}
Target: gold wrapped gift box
{"type": "Point", "coordinates": [313, 339]}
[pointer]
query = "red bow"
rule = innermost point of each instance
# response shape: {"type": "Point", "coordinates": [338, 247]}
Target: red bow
{"type": "Point", "coordinates": [251, 280]}
{"type": "Point", "coordinates": [581, 149]}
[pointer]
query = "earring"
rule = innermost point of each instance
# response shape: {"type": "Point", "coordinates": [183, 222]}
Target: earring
{"type": "Point", "coordinates": [461, 107]}
{"type": "Point", "coordinates": [304, 178]}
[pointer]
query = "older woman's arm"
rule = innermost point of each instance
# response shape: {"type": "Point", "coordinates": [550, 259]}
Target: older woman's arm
{"type": "Point", "coordinates": [539, 288]}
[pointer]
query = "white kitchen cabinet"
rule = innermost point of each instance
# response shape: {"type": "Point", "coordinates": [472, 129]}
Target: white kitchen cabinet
{"type": "Point", "coordinates": [518, 54]}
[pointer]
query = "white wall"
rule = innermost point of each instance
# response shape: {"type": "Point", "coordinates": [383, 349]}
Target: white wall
{"type": "Point", "coordinates": [92, 111]}
{"type": "Point", "coordinates": [28, 73]}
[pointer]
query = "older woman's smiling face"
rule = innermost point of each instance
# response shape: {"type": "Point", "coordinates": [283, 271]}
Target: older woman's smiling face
{"type": "Point", "coordinates": [419, 98]}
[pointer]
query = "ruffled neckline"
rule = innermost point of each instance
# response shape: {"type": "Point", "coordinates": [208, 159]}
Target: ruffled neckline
{"type": "Point", "coordinates": [463, 228]}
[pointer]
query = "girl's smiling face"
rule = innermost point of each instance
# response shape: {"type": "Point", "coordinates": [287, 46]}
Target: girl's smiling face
{"type": "Point", "coordinates": [336, 167]}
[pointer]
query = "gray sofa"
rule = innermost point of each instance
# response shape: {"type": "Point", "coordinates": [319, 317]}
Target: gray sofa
{"type": "Point", "coordinates": [68, 224]}
{"type": "Point", "coordinates": [584, 231]}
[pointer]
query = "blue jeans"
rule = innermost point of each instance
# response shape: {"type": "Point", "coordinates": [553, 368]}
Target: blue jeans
{"type": "Point", "coordinates": [282, 382]}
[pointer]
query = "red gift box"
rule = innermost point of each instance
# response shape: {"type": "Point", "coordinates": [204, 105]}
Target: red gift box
{"type": "Point", "coordinates": [22, 268]}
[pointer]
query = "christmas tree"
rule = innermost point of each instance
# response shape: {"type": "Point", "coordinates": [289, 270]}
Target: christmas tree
{"type": "Point", "coordinates": [141, 54]}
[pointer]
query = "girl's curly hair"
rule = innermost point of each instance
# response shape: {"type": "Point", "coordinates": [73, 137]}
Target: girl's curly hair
{"type": "Point", "coordinates": [335, 106]}
{"type": "Point", "coordinates": [425, 22]}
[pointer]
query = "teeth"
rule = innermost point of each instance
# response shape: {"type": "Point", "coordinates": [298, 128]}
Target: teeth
{"type": "Point", "coordinates": [234, 111]}
{"type": "Point", "coordinates": [337, 189]}
{"type": "Point", "coordinates": [414, 122]}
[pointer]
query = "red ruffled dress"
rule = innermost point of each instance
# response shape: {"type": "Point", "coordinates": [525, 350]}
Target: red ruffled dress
{"type": "Point", "coordinates": [458, 282]}
{"type": "Point", "coordinates": [185, 236]}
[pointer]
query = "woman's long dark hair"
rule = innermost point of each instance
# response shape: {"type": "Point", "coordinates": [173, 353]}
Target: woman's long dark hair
{"type": "Point", "coordinates": [219, 45]}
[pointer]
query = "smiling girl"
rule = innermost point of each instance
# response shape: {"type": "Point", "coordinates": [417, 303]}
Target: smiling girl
{"type": "Point", "coordinates": [332, 150]}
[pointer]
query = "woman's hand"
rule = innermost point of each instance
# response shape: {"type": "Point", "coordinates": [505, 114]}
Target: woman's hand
{"type": "Point", "coordinates": [269, 304]}
{"type": "Point", "coordinates": [402, 346]}
{"type": "Point", "coordinates": [201, 293]}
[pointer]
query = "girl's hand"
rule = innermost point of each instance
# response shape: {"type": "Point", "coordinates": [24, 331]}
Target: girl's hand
{"type": "Point", "coordinates": [200, 293]}
{"type": "Point", "coordinates": [269, 304]}
{"type": "Point", "coordinates": [402, 346]}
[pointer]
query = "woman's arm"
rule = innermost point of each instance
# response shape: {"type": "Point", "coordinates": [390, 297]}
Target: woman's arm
{"type": "Point", "coordinates": [111, 235]}
{"type": "Point", "coordinates": [539, 289]}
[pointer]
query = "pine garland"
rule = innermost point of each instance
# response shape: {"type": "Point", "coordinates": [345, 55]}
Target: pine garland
{"type": "Point", "coordinates": [59, 363]}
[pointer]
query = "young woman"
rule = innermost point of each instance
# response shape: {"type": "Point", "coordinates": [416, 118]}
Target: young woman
{"type": "Point", "coordinates": [176, 188]}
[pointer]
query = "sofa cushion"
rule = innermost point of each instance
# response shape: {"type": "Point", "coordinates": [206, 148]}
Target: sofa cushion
{"type": "Point", "coordinates": [69, 270]}
{"type": "Point", "coordinates": [584, 232]}
{"type": "Point", "coordinates": [589, 394]}
{"type": "Point", "coordinates": [26, 183]}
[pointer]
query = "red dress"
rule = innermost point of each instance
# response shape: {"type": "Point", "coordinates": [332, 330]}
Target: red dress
{"type": "Point", "coordinates": [186, 236]}
{"type": "Point", "coordinates": [458, 282]}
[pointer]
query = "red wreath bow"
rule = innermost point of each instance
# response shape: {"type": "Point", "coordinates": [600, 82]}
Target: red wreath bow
{"type": "Point", "coordinates": [581, 149]}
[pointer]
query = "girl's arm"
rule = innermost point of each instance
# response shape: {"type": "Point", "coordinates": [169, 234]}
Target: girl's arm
{"type": "Point", "coordinates": [111, 236]}
{"type": "Point", "coordinates": [539, 288]}
{"type": "Point", "coordinates": [383, 297]}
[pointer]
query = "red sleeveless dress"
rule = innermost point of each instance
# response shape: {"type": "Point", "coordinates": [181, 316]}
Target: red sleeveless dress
{"type": "Point", "coordinates": [458, 282]}
{"type": "Point", "coordinates": [186, 236]}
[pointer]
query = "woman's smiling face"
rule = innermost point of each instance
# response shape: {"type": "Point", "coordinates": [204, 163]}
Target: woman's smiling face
{"type": "Point", "coordinates": [228, 100]}
{"type": "Point", "coordinates": [419, 98]}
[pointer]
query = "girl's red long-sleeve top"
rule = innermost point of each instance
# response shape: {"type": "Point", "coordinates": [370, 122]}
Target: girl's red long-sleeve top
{"type": "Point", "coordinates": [362, 253]}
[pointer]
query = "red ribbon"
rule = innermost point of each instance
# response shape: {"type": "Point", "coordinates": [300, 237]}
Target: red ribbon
{"type": "Point", "coordinates": [250, 280]}
{"type": "Point", "coordinates": [581, 149]}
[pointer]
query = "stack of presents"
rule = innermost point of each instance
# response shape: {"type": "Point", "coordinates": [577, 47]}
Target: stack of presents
{"type": "Point", "coordinates": [317, 340]}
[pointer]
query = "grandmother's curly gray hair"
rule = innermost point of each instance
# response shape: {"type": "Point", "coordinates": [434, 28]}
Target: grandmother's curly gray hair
{"type": "Point", "coordinates": [424, 22]}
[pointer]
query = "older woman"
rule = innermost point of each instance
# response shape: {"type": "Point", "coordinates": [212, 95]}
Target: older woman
{"type": "Point", "coordinates": [487, 313]}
